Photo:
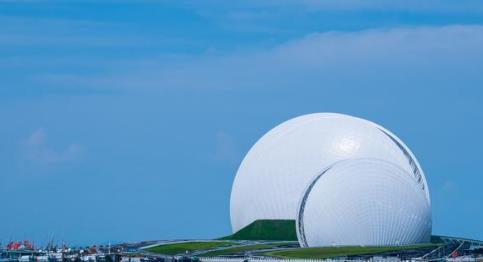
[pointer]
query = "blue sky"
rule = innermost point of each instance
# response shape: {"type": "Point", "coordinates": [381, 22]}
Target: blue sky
{"type": "Point", "coordinates": [127, 120]}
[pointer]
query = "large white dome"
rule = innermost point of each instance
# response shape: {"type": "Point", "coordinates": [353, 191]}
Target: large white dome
{"type": "Point", "coordinates": [273, 175]}
{"type": "Point", "coordinates": [368, 202]}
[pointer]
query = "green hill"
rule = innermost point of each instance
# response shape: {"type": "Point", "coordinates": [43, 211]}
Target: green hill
{"type": "Point", "coordinates": [172, 249]}
{"type": "Point", "coordinates": [330, 252]}
{"type": "Point", "coordinates": [266, 229]}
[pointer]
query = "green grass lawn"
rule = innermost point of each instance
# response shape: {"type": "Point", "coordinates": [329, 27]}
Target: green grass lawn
{"type": "Point", "coordinates": [266, 229]}
{"type": "Point", "coordinates": [240, 249]}
{"type": "Point", "coordinates": [181, 248]}
{"type": "Point", "coordinates": [328, 252]}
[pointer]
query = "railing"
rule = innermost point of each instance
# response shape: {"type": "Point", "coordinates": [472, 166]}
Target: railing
{"type": "Point", "coordinates": [221, 259]}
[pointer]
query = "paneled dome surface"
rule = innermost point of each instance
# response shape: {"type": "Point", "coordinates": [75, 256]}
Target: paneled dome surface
{"type": "Point", "coordinates": [277, 169]}
{"type": "Point", "coordinates": [367, 202]}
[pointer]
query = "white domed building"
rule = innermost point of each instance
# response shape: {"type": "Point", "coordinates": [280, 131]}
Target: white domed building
{"type": "Point", "coordinates": [344, 180]}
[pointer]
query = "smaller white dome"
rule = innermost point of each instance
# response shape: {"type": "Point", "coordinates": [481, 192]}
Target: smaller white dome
{"type": "Point", "coordinates": [365, 201]}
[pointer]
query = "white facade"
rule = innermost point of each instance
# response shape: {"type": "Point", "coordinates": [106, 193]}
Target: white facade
{"type": "Point", "coordinates": [364, 201]}
{"type": "Point", "coordinates": [276, 171]}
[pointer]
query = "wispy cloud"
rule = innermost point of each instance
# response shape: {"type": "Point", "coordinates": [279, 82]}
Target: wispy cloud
{"type": "Point", "coordinates": [37, 151]}
{"type": "Point", "coordinates": [311, 5]}
{"type": "Point", "coordinates": [225, 148]}
{"type": "Point", "coordinates": [408, 5]}
{"type": "Point", "coordinates": [270, 17]}
{"type": "Point", "coordinates": [70, 33]}
{"type": "Point", "coordinates": [449, 187]}
{"type": "Point", "coordinates": [320, 59]}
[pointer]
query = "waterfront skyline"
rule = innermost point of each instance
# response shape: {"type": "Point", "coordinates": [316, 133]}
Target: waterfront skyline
{"type": "Point", "coordinates": [127, 121]}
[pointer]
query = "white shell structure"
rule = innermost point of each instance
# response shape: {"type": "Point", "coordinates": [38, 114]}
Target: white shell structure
{"type": "Point", "coordinates": [275, 172]}
{"type": "Point", "coordinates": [366, 202]}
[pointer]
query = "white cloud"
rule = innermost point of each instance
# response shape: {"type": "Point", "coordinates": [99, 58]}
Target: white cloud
{"type": "Point", "coordinates": [225, 148]}
{"type": "Point", "coordinates": [73, 33]}
{"type": "Point", "coordinates": [449, 187]}
{"type": "Point", "coordinates": [37, 151]}
{"type": "Point", "coordinates": [405, 5]}
{"type": "Point", "coordinates": [323, 58]}
{"type": "Point", "coordinates": [437, 56]}
{"type": "Point", "coordinates": [37, 138]}
{"type": "Point", "coordinates": [279, 6]}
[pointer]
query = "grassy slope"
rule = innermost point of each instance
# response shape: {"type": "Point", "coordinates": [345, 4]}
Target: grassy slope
{"type": "Point", "coordinates": [179, 248]}
{"type": "Point", "coordinates": [235, 250]}
{"type": "Point", "coordinates": [279, 230]}
{"type": "Point", "coordinates": [328, 252]}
